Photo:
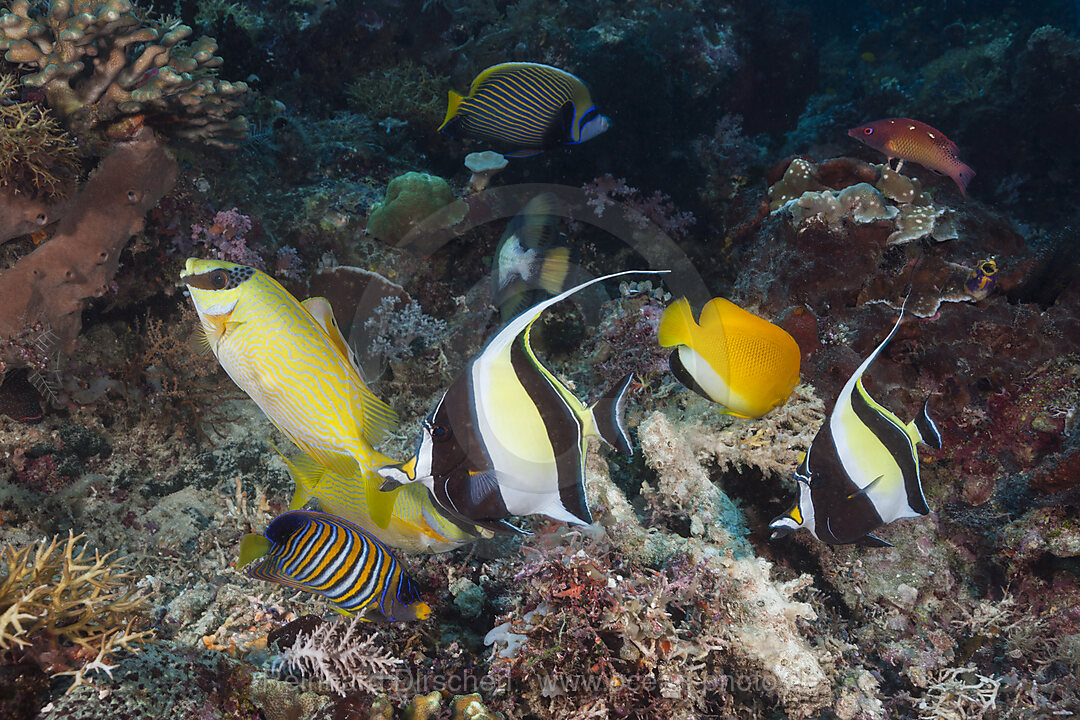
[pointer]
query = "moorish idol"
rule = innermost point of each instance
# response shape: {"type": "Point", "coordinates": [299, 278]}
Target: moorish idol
{"type": "Point", "coordinates": [528, 257]}
{"type": "Point", "coordinates": [328, 556]}
{"type": "Point", "coordinates": [508, 438]}
{"type": "Point", "coordinates": [862, 470]}
{"type": "Point", "coordinates": [730, 356]}
{"type": "Point", "coordinates": [416, 523]}
{"type": "Point", "coordinates": [291, 359]}
{"type": "Point", "coordinates": [523, 109]}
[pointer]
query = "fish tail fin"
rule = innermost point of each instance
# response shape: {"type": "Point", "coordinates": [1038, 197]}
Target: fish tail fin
{"type": "Point", "coordinates": [252, 547]}
{"type": "Point", "coordinates": [607, 416]}
{"type": "Point", "coordinates": [962, 175]}
{"type": "Point", "coordinates": [676, 324]}
{"type": "Point", "coordinates": [306, 474]}
{"type": "Point", "coordinates": [554, 269]}
{"type": "Point", "coordinates": [454, 102]}
{"type": "Point", "coordinates": [924, 429]}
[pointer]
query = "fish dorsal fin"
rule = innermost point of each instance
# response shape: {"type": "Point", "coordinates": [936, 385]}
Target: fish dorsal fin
{"type": "Point", "coordinates": [323, 313]}
{"type": "Point", "coordinates": [252, 547]}
{"type": "Point", "coordinates": [377, 420]}
{"type": "Point", "coordinates": [522, 322]}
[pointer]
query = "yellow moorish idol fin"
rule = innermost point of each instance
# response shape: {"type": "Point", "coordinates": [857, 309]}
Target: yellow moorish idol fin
{"type": "Point", "coordinates": [677, 324]}
{"type": "Point", "coordinates": [252, 547]}
{"type": "Point", "coordinates": [454, 100]}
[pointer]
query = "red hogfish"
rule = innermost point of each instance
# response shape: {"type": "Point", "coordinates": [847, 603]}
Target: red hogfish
{"type": "Point", "coordinates": [916, 141]}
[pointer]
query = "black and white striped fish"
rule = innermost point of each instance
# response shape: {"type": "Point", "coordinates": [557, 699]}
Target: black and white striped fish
{"type": "Point", "coordinates": [523, 109]}
{"type": "Point", "coordinates": [328, 556]}
{"type": "Point", "coordinates": [862, 469]}
{"type": "Point", "coordinates": [508, 438]}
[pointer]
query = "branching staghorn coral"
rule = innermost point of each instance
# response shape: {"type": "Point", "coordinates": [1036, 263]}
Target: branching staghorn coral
{"type": "Point", "coordinates": [36, 155]}
{"type": "Point", "coordinates": [67, 610]}
{"type": "Point", "coordinates": [137, 70]}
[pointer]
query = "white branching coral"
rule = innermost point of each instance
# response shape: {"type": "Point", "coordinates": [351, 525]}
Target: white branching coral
{"type": "Point", "coordinates": [336, 655]}
{"type": "Point", "coordinates": [958, 694]}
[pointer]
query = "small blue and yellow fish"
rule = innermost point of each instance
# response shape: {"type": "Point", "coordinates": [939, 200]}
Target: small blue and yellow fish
{"type": "Point", "coordinates": [862, 470]}
{"type": "Point", "coordinates": [981, 281]}
{"type": "Point", "coordinates": [328, 556]}
{"type": "Point", "coordinates": [528, 257]}
{"type": "Point", "coordinates": [508, 438]}
{"type": "Point", "coordinates": [523, 109]}
{"type": "Point", "coordinates": [416, 525]}
{"type": "Point", "coordinates": [731, 357]}
{"type": "Point", "coordinates": [292, 360]}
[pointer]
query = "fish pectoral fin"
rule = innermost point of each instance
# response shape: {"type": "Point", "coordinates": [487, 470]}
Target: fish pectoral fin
{"type": "Point", "coordinates": [482, 487]}
{"type": "Point", "coordinates": [252, 547]}
{"type": "Point", "coordinates": [865, 490]}
{"type": "Point", "coordinates": [869, 540]}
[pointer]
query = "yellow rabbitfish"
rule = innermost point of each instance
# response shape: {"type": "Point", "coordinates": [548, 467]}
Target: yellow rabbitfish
{"type": "Point", "coordinates": [731, 356]}
{"type": "Point", "coordinates": [416, 525]}
{"type": "Point", "coordinates": [296, 366]}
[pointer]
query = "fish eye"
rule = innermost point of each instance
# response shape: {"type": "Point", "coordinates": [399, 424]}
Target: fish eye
{"type": "Point", "coordinates": [439, 432]}
{"type": "Point", "coordinates": [219, 279]}
{"type": "Point", "coordinates": [868, 131]}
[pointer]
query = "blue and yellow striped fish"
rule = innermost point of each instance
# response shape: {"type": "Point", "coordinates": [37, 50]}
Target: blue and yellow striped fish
{"type": "Point", "coordinates": [328, 556]}
{"type": "Point", "coordinates": [416, 525]}
{"type": "Point", "coordinates": [292, 360]}
{"type": "Point", "coordinates": [524, 109]}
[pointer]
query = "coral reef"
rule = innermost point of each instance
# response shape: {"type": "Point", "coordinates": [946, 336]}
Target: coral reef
{"type": "Point", "coordinates": [51, 285]}
{"type": "Point", "coordinates": [65, 610]}
{"type": "Point", "coordinates": [137, 71]}
{"type": "Point", "coordinates": [410, 200]}
{"type": "Point", "coordinates": [37, 156]}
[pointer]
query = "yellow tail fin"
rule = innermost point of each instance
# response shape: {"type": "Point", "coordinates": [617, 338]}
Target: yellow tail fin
{"type": "Point", "coordinates": [554, 270]}
{"type": "Point", "coordinates": [252, 547]}
{"type": "Point", "coordinates": [455, 99]}
{"type": "Point", "coordinates": [677, 324]}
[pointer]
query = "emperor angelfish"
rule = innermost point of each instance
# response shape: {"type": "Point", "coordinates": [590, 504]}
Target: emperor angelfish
{"type": "Point", "coordinates": [328, 556]}
{"type": "Point", "coordinates": [862, 469]}
{"type": "Point", "coordinates": [731, 357]}
{"type": "Point", "coordinates": [508, 438]}
{"type": "Point", "coordinates": [528, 258]}
{"type": "Point", "coordinates": [523, 109]}
{"type": "Point", "coordinates": [417, 524]}
{"type": "Point", "coordinates": [292, 360]}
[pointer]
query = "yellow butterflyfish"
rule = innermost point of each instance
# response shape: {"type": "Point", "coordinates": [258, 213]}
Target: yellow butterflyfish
{"type": "Point", "coordinates": [731, 356]}
{"type": "Point", "coordinates": [296, 367]}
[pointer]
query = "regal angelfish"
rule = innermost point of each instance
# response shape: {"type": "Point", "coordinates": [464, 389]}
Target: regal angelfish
{"type": "Point", "coordinates": [862, 469]}
{"type": "Point", "coordinates": [328, 556]}
{"type": "Point", "coordinates": [508, 438]}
